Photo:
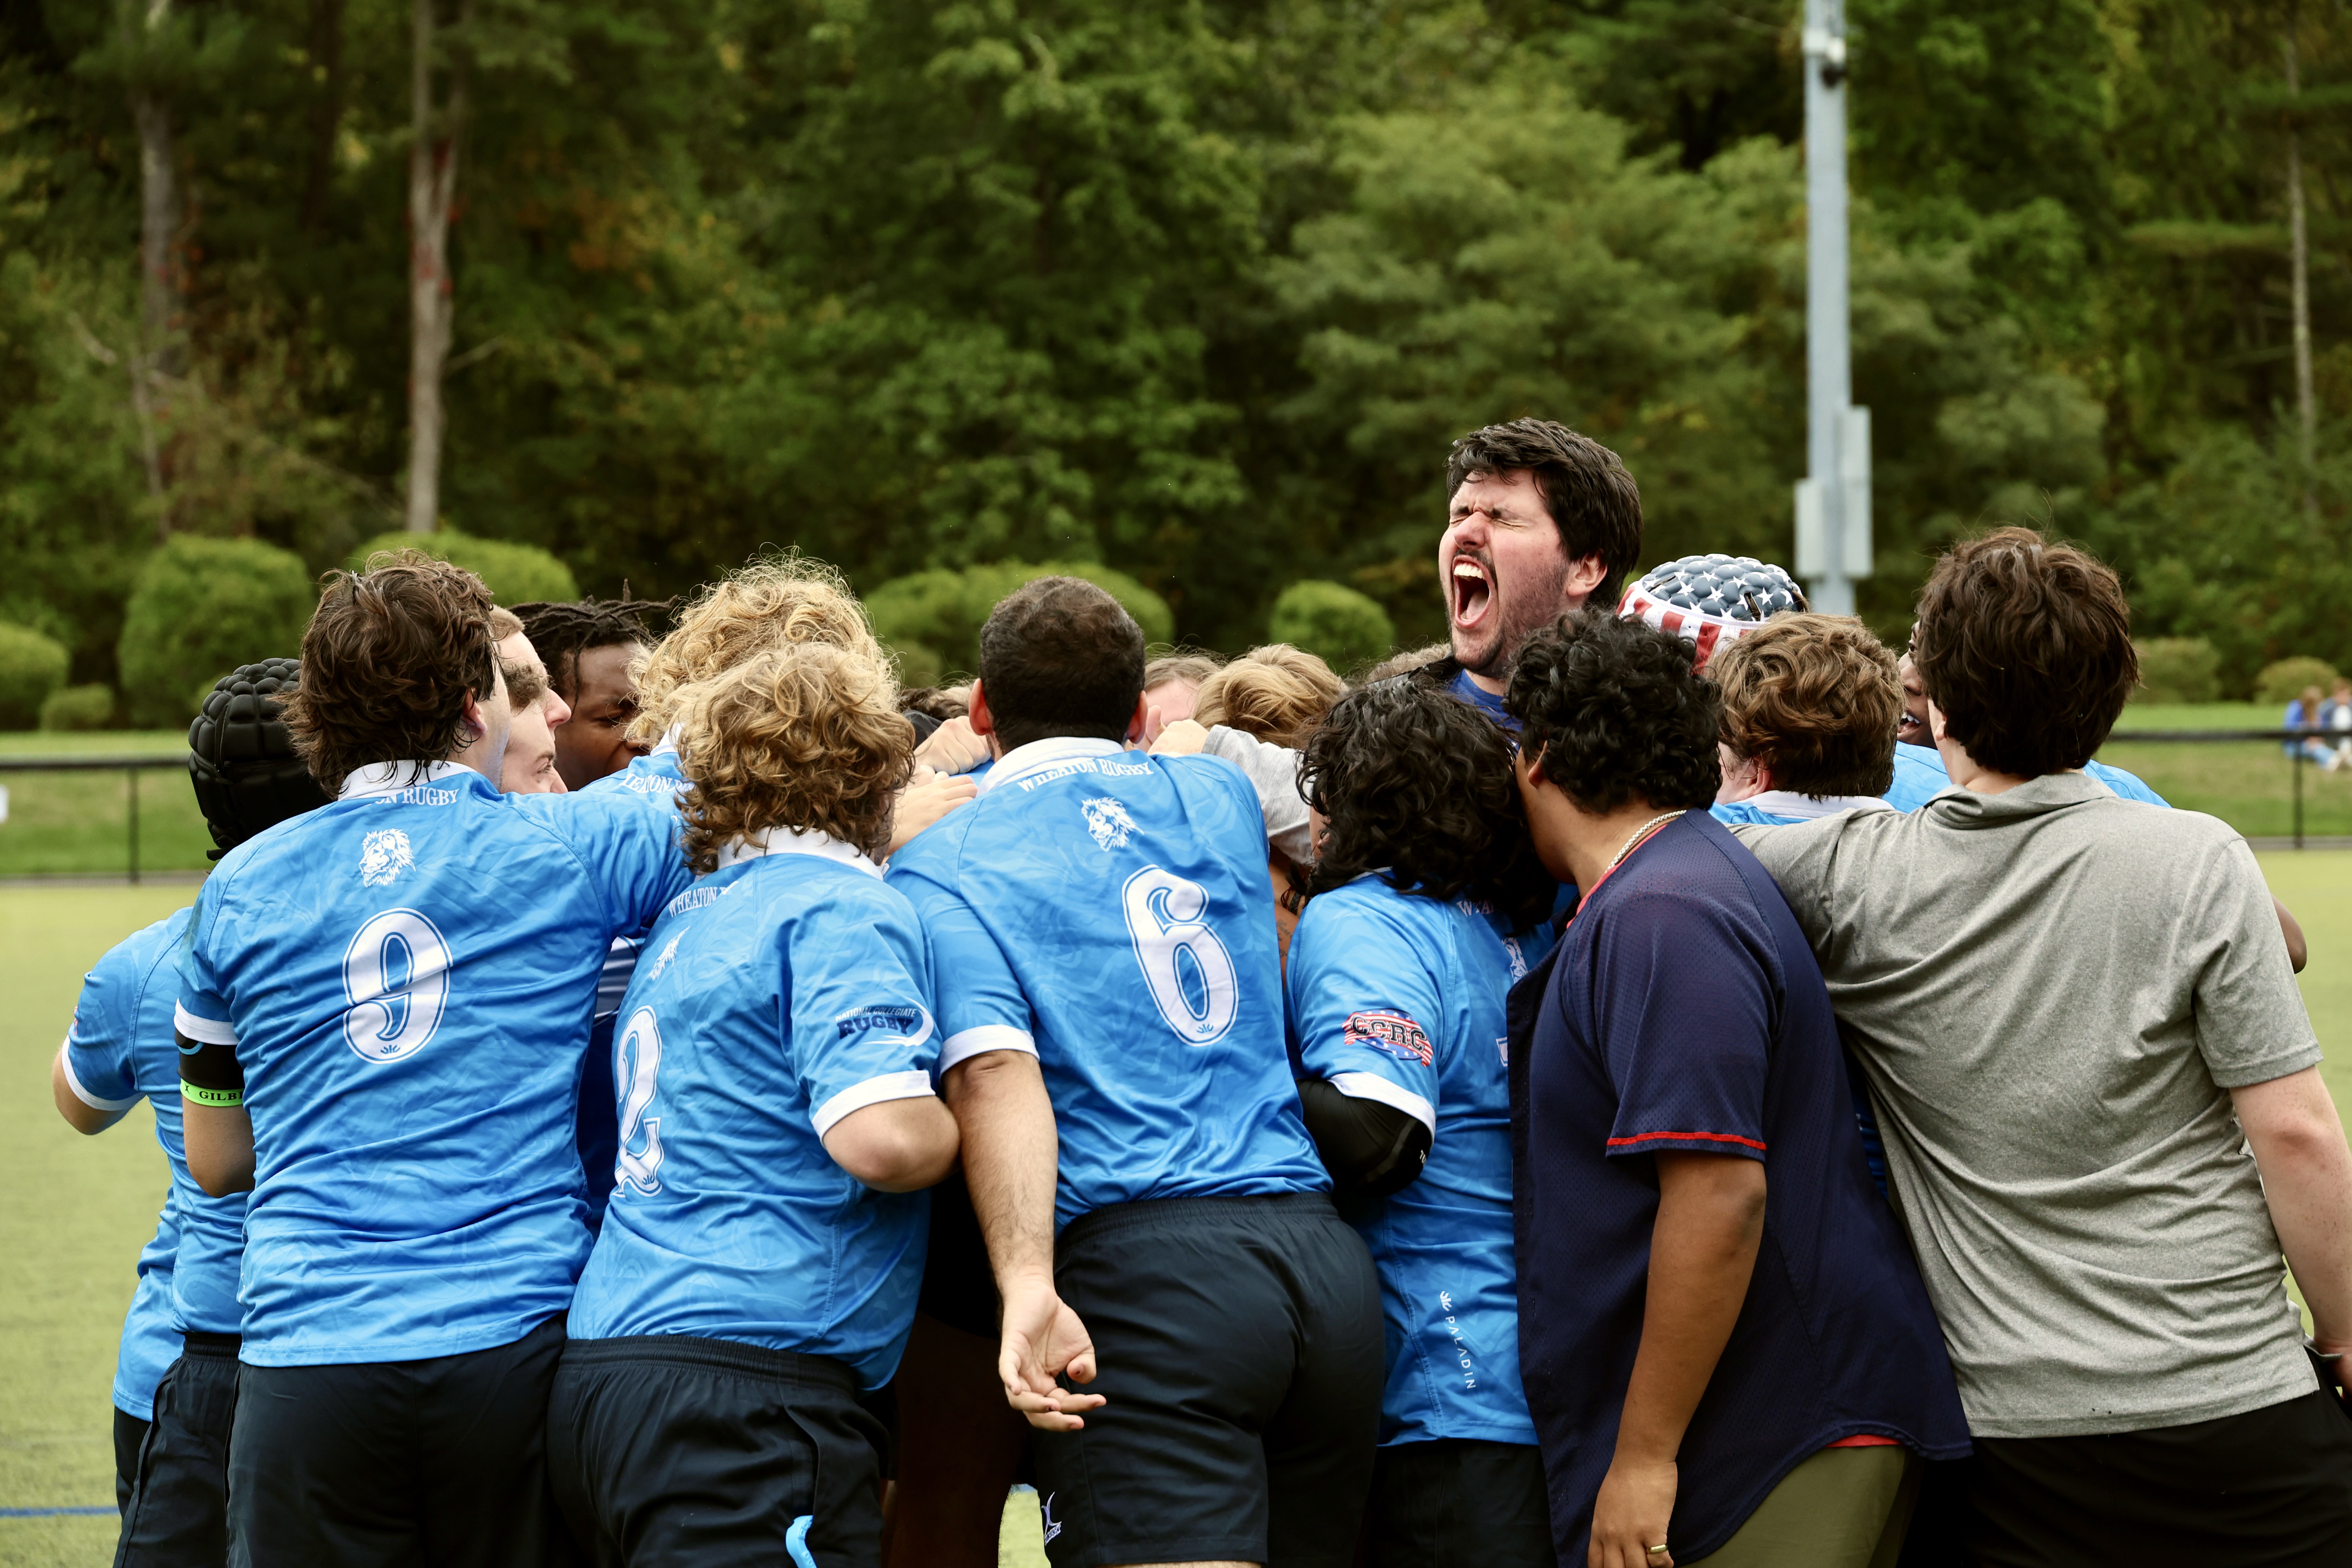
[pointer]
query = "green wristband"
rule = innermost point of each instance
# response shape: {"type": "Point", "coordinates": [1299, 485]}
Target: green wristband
{"type": "Point", "coordinates": [222, 1099]}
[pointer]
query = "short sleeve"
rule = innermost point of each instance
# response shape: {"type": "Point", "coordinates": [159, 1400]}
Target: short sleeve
{"type": "Point", "coordinates": [977, 999]}
{"type": "Point", "coordinates": [628, 844]}
{"type": "Point", "coordinates": [1683, 1007]}
{"type": "Point", "coordinates": [202, 1012]}
{"type": "Point", "coordinates": [862, 1029]}
{"type": "Point", "coordinates": [2252, 1026]}
{"type": "Point", "coordinates": [100, 1066]}
{"type": "Point", "coordinates": [1365, 1009]}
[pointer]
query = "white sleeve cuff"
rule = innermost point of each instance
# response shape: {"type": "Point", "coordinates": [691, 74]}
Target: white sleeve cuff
{"type": "Point", "coordinates": [203, 1031]}
{"type": "Point", "coordinates": [1372, 1085]}
{"type": "Point", "coordinates": [73, 1081]}
{"type": "Point", "coordinates": [914, 1085]}
{"type": "Point", "coordinates": [981, 1038]}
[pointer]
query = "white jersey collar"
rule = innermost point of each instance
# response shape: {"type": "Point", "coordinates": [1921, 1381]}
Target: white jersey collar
{"type": "Point", "coordinates": [1798, 807]}
{"type": "Point", "coordinates": [378, 779]}
{"type": "Point", "coordinates": [668, 742]}
{"type": "Point", "coordinates": [1038, 755]}
{"type": "Point", "coordinates": [794, 841]}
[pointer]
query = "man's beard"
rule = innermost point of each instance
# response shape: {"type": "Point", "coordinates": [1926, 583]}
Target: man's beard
{"type": "Point", "coordinates": [1519, 618]}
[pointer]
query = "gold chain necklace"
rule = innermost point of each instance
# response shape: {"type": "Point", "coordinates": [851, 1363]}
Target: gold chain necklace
{"type": "Point", "coordinates": [1639, 834]}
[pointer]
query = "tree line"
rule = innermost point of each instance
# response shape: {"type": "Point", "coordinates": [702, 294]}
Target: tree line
{"type": "Point", "coordinates": [1196, 290]}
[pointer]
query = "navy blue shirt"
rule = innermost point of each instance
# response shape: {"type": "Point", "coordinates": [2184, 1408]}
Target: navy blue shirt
{"type": "Point", "coordinates": [1683, 1011]}
{"type": "Point", "coordinates": [1490, 703]}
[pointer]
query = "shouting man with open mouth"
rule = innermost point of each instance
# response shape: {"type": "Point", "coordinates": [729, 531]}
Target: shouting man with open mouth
{"type": "Point", "coordinates": [1541, 519]}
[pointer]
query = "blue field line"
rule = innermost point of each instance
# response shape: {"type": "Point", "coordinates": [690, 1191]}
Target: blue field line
{"type": "Point", "coordinates": [109, 1512]}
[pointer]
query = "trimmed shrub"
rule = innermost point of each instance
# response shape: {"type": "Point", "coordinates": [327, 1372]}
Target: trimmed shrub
{"type": "Point", "coordinates": [514, 573]}
{"type": "Point", "coordinates": [31, 667]}
{"type": "Point", "coordinates": [2283, 682]}
{"type": "Point", "coordinates": [1340, 627]}
{"type": "Point", "coordinates": [2178, 669]}
{"type": "Point", "coordinates": [78, 707]}
{"type": "Point", "coordinates": [200, 608]}
{"type": "Point", "coordinates": [933, 619]}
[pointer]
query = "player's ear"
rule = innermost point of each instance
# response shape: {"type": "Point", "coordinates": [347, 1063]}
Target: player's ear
{"type": "Point", "coordinates": [1139, 721]}
{"type": "Point", "coordinates": [982, 721]}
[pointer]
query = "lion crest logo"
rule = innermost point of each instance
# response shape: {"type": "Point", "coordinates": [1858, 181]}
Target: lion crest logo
{"type": "Point", "coordinates": [383, 857]}
{"type": "Point", "coordinates": [1108, 822]}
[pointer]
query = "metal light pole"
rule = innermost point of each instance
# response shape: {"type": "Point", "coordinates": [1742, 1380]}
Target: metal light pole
{"type": "Point", "coordinates": [1834, 546]}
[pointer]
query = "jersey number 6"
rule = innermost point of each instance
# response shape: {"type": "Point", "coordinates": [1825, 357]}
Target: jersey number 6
{"type": "Point", "coordinates": [1189, 971]}
{"type": "Point", "coordinates": [396, 979]}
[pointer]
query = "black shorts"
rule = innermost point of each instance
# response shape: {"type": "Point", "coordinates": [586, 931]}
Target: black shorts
{"type": "Point", "coordinates": [1457, 1503]}
{"type": "Point", "coordinates": [958, 1285]}
{"type": "Point", "coordinates": [178, 1512]}
{"type": "Point", "coordinates": [130, 1432]}
{"type": "Point", "coordinates": [669, 1449]}
{"type": "Point", "coordinates": [1240, 1348]}
{"type": "Point", "coordinates": [2272, 1486]}
{"type": "Point", "coordinates": [441, 1462]}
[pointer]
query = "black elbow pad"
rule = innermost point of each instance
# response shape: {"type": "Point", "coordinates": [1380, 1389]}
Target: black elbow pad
{"type": "Point", "coordinates": [1371, 1150]}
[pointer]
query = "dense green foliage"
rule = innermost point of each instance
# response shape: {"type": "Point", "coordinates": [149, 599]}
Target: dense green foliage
{"type": "Point", "coordinates": [933, 619]}
{"type": "Point", "coordinates": [514, 573]}
{"type": "Point", "coordinates": [32, 665]}
{"type": "Point", "coordinates": [202, 607]}
{"type": "Point", "coordinates": [2178, 669]}
{"type": "Point", "coordinates": [1192, 290]}
{"type": "Point", "coordinates": [2289, 678]}
{"type": "Point", "coordinates": [1343, 628]}
{"type": "Point", "coordinates": [85, 707]}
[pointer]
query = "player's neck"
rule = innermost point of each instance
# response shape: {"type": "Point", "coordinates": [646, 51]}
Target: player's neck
{"type": "Point", "coordinates": [1594, 843]}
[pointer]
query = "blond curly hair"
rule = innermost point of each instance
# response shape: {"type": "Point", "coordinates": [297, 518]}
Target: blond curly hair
{"type": "Point", "coordinates": [1276, 693]}
{"type": "Point", "coordinates": [808, 736]}
{"type": "Point", "coordinates": [773, 603]}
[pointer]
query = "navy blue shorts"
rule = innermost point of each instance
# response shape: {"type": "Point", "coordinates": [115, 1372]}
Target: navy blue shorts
{"type": "Point", "coordinates": [178, 1513]}
{"type": "Point", "coordinates": [1239, 1344]}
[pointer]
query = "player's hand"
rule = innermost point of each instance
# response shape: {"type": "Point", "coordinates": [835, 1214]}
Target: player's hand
{"type": "Point", "coordinates": [1043, 1340]}
{"type": "Point", "coordinates": [1628, 1517]}
{"type": "Point", "coordinates": [954, 748]}
{"type": "Point", "coordinates": [927, 797]}
{"type": "Point", "coordinates": [1180, 738]}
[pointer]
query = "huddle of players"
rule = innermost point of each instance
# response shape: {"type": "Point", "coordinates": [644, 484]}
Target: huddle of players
{"type": "Point", "coordinates": [1069, 986]}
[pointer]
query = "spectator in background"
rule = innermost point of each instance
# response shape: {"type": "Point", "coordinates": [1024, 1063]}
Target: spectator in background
{"type": "Point", "coordinates": [590, 647]}
{"type": "Point", "coordinates": [2304, 713]}
{"type": "Point", "coordinates": [2337, 718]}
{"type": "Point", "coordinates": [1726, 1348]}
{"type": "Point", "coordinates": [1172, 684]}
{"type": "Point", "coordinates": [1277, 694]}
{"type": "Point", "coordinates": [2078, 1021]}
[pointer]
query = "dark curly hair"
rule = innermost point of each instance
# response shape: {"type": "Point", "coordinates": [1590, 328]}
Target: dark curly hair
{"type": "Point", "coordinates": [390, 655]}
{"type": "Point", "coordinates": [1417, 782]}
{"type": "Point", "coordinates": [562, 631]}
{"type": "Point", "coordinates": [2026, 646]}
{"type": "Point", "coordinates": [1616, 713]}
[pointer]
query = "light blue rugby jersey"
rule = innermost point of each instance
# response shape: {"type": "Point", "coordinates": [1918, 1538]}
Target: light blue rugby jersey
{"type": "Point", "coordinates": [1920, 777]}
{"type": "Point", "coordinates": [1110, 910]}
{"type": "Point", "coordinates": [1401, 999]}
{"type": "Point", "coordinates": [120, 1051]}
{"type": "Point", "coordinates": [407, 975]}
{"type": "Point", "coordinates": [777, 995]}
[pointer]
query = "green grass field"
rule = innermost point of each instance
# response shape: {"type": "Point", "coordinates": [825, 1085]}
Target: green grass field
{"type": "Point", "coordinates": [81, 1207]}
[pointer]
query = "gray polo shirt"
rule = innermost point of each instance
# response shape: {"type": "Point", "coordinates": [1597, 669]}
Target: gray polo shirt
{"type": "Point", "coordinates": [2051, 991]}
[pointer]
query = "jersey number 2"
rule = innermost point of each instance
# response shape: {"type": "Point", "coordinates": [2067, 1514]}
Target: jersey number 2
{"type": "Point", "coordinates": [1188, 970]}
{"type": "Point", "coordinates": [396, 980]}
{"type": "Point", "coordinates": [636, 1058]}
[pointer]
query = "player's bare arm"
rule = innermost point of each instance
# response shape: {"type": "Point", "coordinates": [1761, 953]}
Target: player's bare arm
{"type": "Point", "coordinates": [896, 1146]}
{"type": "Point", "coordinates": [1010, 1155]}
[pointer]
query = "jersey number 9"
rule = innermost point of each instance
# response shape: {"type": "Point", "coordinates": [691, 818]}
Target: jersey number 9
{"type": "Point", "coordinates": [396, 980]}
{"type": "Point", "coordinates": [1188, 970]}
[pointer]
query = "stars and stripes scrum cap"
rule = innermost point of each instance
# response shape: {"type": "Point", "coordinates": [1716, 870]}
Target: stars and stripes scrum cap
{"type": "Point", "coordinates": [1710, 599]}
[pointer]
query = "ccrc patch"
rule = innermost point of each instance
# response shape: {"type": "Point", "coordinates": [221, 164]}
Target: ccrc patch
{"type": "Point", "coordinates": [1390, 1032]}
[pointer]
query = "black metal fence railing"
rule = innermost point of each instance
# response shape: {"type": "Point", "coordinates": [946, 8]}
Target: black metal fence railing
{"type": "Point", "coordinates": [2292, 741]}
{"type": "Point", "coordinates": [132, 766]}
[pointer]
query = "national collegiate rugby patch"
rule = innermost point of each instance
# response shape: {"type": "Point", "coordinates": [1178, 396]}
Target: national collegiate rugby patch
{"type": "Point", "coordinates": [1390, 1032]}
{"type": "Point", "coordinates": [897, 1020]}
